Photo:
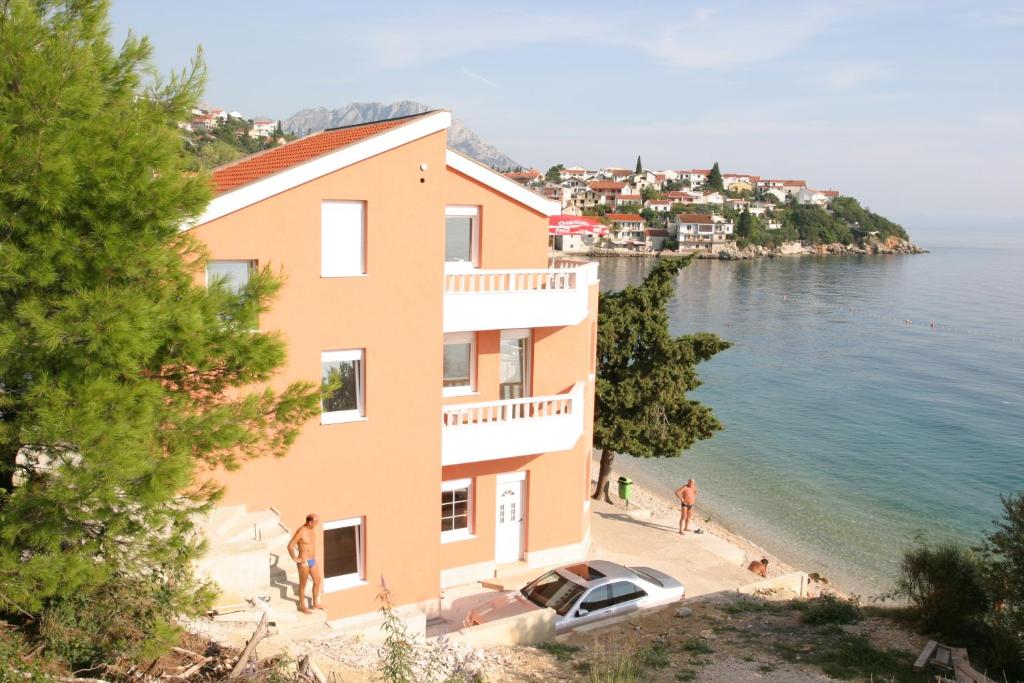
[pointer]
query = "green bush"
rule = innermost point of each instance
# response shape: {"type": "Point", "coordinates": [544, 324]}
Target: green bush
{"type": "Point", "coordinates": [946, 584]}
{"type": "Point", "coordinates": [563, 652]}
{"type": "Point", "coordinates": [123, 621]}
{"type": "Point", "coordinates": [832, 610]}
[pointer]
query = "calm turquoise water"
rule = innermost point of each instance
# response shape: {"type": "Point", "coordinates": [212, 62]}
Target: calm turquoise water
{"type": "Point", "coordinates": [848, 429]}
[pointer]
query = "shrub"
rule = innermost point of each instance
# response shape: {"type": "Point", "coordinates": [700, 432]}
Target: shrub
{"type": "Point", "coordinates": [945, 583]}
{"type": "Point", "coordinates": [617, 668]}
{"type": "Point", "coordinates": [563, 652]}
{"type": "Point", "coordinates": [832, 610]}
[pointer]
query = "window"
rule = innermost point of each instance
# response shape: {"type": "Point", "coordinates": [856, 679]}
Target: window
{"type": "Point", "coordinates": [514, 364]}
{"type": "Point", "coordinates": [456, 510]}
{"type": "Point", "coordinates": [234, 274]}
{"type": "Point", "coordinates": [342, 239]}
{"type": "Point", "coordinates": [341, 386]}
{"type": "Point", "coordinates": [461, 237]}
{"type": "Point", "coordinates": [459, 364]}
{"type": "Point", "coordinates": [343, 553]}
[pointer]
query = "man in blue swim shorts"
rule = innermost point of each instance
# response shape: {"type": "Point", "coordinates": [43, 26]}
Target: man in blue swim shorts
{"type": "Point", "coordinates": [302, 549]}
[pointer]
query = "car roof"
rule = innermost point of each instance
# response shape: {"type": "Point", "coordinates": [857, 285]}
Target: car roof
{"type": "Point", "coordinates": [611, 570]}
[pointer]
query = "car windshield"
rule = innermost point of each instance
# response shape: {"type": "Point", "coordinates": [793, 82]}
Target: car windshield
{"type": "Point", "coordinates": [554, 591]}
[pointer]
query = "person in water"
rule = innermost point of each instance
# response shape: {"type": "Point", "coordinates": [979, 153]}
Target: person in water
{"type": "Point", "coordinates": [302, 549]}
{"type": "Point", "coordinates": [759, 567]}
{"type": "Point", "coordinates": [687, 495]}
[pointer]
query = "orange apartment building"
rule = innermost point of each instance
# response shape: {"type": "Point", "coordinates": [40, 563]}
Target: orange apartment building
{"type": "Point", "coordinates": [460, 438]}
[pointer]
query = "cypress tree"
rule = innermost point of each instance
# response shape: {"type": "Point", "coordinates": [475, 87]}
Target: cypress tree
{"type": "Point", "coordinates": [121, 379]}
{"type": "Point", "coordinates": [643, 374]}
{"type": "Point", "coordinates": [715, 179]}
{"type": "Point", "coordinates": [639, 166]}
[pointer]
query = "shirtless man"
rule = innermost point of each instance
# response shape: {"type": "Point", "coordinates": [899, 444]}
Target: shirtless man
{"type": "Point", "coordinates": [687, 495]}
{"type": "Point", "coordinates": [302, 549]}
{"type": "Point", "coordinates": [759, 567]}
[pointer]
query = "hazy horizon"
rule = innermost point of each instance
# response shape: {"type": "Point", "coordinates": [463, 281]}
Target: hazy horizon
{"type": "Point", "coordinates": [907, 106]}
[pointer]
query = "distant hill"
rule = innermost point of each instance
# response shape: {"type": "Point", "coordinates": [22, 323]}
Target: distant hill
{"type": "Point", "coordinates": [460, 138]}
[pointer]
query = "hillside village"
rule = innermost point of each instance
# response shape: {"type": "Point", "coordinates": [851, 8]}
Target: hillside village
{"type": "Point", "coordinates": [698, 210]}
{"type": "Point", "coordinates": [214, 136]}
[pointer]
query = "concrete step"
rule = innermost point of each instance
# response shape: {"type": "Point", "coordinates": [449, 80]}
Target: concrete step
{"type": "Point", "coordinates": [224, 517]}
{"type": "Point", "coordinates": [253, 526]}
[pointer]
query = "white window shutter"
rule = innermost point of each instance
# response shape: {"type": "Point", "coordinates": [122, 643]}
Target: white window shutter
{"type": "Point", "coordinates": [342, 239]}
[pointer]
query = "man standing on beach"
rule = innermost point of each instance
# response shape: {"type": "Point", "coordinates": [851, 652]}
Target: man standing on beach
{"type": "Point", "coordinates": [302, 549]}
{"type": "Point", "coordinates": [687, 495]}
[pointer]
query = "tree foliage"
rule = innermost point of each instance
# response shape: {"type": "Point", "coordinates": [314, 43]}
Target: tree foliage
{"type": "Point", "coordinates": [554, 174]}
{"type": "Point", "coordinates": [1002, 553]}
{"type": "Point", "coordinates": [714, 181]}
{"type": "Point", "coordinates": [121, 379]}
{"type": "Point", "coordinates": [644, 372]}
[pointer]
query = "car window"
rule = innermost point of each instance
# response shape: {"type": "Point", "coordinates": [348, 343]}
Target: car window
{"type": "Point", "coordinates": [624, 591]}
{"type": "Point", "coordinates": [596, 599]}
{"type": "Point", "coordinates": [554, 591]}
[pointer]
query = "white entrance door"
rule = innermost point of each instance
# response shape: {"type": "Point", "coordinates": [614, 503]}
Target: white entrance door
{"type": "Point", "coordinates": [508, 520]}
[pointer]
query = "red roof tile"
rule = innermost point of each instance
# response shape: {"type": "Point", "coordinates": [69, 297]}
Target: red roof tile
{"type": "Point", "coordinates": [606, 185]}
{"type": "Point", "coordinates": [693, 218]}
{"type": "Point", "coordinates": [623, 217]}
{"type": "Point", "coordinates": [262, 164]}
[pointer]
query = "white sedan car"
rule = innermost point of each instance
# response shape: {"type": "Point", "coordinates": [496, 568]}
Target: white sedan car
{"type": "Point", "coordinates": [584, 593]}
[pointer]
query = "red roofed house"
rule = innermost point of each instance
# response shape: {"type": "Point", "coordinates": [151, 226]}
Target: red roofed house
{"type": "Point", "coordinates": [627, 228]}
{"type": "Point", "coordinates": [527, 176]}
{"type": "Point", "coordinates": [262, 128]}
{"type": "Point", "coordinates": [655, 238]}
{"type": "Point", "coordinates": [701, 232]}
{"type": "Point", "coordinates": [659, 205]}
{"type": "Point", "coordinates": [609, 190]}
{"type": "Point", "coordinates": [396, 252]}
{"type": "Point", "coordinates": [624, 199]}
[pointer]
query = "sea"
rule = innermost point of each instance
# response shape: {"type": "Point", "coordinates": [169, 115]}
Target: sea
{"type": "Point", "coordinates": [869, 402]}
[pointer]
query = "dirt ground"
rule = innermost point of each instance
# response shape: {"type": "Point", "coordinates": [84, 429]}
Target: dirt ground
{"type": "Point", "coordinates": [725, 639]}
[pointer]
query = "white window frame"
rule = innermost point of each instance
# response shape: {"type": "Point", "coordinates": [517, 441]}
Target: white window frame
{"type": "Point", "coordinates": [340, 416]}
{"type": "Point", "coordinates": [327, 270]}
{"type": "Point", "coordinates": [472, 212]}
{"type": "Point", "coordinates": [250, 262]}
{"type": "Point", "coordinates": [461, 338]}
{"type": "Point", "coordinates": [467, 533]}
{"type": "Point", "coordinates": [527, 334]}
{"type": "Point", "coordinates": [337, 583]}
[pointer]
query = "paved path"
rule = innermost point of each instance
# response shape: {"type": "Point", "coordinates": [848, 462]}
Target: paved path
{"type": "Point", "coordinates": [704, 563]}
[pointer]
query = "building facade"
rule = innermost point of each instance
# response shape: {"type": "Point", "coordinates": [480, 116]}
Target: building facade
{"type": "Point", "coordinates": [456, 364]}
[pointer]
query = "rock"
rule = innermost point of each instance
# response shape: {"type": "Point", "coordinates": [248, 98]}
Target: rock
{"type": "Point", "coordinates": [684, 612]}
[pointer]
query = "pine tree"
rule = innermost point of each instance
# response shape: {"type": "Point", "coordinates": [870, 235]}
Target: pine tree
{"type": "Point", "coordinates": [121, 380]}
{"type": "Point", "coordinates": [715, 179]}
{"type": "Point", "coordinates": [639, 166]}
{"type": "Point", "coordinates": [745, 225]}
{"type": "Point", "coordinates": [643, 374]}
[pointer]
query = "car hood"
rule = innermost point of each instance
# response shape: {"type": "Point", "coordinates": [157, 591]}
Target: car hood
{"type": "Point", "coordinates": [502, 607]}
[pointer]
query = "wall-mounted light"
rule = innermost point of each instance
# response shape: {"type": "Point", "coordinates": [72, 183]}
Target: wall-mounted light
{"type": "Point", "coordinates": [423, 166]}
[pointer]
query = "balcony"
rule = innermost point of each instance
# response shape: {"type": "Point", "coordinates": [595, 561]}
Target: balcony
{"type": "Point", "coordinates": [509, 299]}
{"type": "Point", "coordinates": [471, 432]}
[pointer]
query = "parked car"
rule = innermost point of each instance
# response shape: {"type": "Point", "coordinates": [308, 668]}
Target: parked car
{"type": "Point", "coordinates": [584, 593]}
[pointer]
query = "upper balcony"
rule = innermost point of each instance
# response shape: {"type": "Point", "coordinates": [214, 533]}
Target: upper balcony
{"type": "Point", "coordinates": [471, 432]}
{"type": "Point", "coordinates": [509, 299]}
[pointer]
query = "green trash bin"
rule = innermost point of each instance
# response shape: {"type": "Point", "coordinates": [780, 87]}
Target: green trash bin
{"type": "Point", "coordinates": [625, 489]}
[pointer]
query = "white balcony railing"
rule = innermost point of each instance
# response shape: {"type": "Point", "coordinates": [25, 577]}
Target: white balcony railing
{"type": "Point", "coordinates": [471, 432]}
{"type": "Point", "coordinates": [506, 299]}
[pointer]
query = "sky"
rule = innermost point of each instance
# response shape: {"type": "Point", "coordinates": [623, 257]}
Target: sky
{"type": "Point", "coordinates": [916, 108]}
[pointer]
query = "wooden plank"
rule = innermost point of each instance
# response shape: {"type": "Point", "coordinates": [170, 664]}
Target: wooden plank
{"type": "Point", "coordinates": [926, 654]}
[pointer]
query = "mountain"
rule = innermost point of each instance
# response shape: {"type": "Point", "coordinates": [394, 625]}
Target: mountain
{"type": "Point", "coordinates": [460, 138]}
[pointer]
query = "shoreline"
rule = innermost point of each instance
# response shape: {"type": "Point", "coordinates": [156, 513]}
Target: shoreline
{"type": "Point", "coordinates": [660, 506]}
{"type": "Point", "coordinates": [892, 247]}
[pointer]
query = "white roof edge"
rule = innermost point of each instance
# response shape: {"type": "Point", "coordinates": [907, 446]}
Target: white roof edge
{"type": "Point", "coordinates": [496, 181]}
{"type": "Point", "coordinates": [294, 176]}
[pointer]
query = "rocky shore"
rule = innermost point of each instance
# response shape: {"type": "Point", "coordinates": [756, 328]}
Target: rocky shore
{"type": "Point", "coordinates": [732, 252]}
{"type": "Point", "coordinates": [892, 245]}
